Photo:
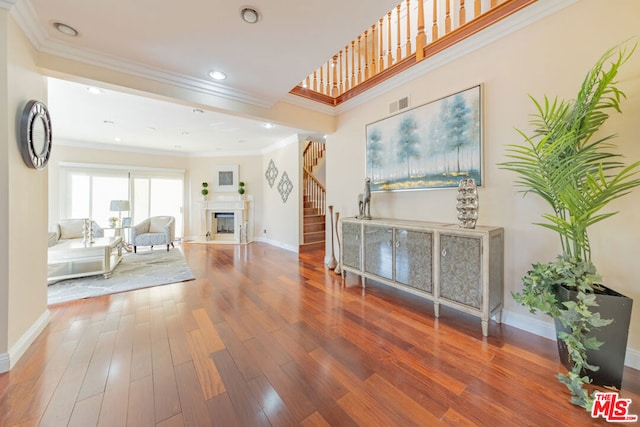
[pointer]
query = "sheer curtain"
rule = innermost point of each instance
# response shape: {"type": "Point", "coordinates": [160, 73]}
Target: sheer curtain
{"type": "Point", "coordinates": [158, 194]}
{"type": "Point", "coordinates": [87, 190]}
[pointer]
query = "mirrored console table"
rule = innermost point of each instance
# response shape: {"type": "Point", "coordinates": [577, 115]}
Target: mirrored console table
{"type": "Point", "coordinates": [457, 267]}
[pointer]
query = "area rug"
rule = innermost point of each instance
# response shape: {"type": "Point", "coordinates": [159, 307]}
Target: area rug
{"type": "Point", "coordinates": [135, 271]}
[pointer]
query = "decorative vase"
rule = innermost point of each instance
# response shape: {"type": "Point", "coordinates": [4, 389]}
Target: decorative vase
{"type": "Point", "coordinates": [338, 269]}
{"type": "Point", "coordinates": [332, 263]}
{"type": "Point", "coordinates": [467, 203]}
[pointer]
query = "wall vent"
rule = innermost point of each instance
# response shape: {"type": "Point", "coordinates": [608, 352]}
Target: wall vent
{"type": "Point", "coordinates": [403, 103]}
{"type": "Point", "coordinates": [399, 105]}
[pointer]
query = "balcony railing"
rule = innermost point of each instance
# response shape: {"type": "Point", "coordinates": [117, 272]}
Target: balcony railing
{"type": "Point", "coordinates": [399, 40]}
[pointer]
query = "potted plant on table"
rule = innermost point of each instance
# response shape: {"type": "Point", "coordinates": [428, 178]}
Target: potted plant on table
{"type": "Point", "coordinates": [113, 221]}
{"type": "Point", "coordinates": [577, 173]}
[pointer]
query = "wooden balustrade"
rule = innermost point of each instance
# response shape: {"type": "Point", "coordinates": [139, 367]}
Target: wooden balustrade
{"type": "Point", "coordinates": [390, 46]}
{"type": "Point", "coordinates": [314, 191]}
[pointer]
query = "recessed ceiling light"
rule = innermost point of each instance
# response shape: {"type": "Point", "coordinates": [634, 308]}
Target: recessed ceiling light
{"type": "Point", "coordinates": [198, 110]}
{"type": "Point", "coordinates": [117, 139]}
{"type": "Point", "coordinates": [268, 125]}
{"type": "Point", "coordinates": [65, 29]}
{"type": "Point", "coordinates": [217, 75]}
{"type": "Point", "coordinates": [250, 15]}
{"type": "Point", "coordinates": [95, 90]}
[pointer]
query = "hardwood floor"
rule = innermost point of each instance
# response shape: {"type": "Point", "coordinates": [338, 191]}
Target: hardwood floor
{"type": "Point", "coordinates": [262, 338]}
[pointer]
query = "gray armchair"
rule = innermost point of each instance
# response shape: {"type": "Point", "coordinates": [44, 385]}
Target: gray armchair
{"type": "Point", "coordinates": [157, 230]}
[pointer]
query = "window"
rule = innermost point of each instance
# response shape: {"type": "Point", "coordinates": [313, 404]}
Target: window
{"type": "Point", "coordinates": [157, 194]}
{"type": "Point", "coordinates": [87, 190]}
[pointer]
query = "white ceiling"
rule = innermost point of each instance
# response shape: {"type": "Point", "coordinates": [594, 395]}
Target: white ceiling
{"type": "Point", "coordinates": [180, 43]}
{"type": "Point", "coordinates": [121, 120]}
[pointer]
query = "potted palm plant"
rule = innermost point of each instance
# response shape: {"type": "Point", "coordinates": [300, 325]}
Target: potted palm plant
{"type": "Point", "coordinates": [578, 173]}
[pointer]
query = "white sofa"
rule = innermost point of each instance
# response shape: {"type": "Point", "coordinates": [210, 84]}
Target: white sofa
{"type": "Point", "coordinates": [72, 229]}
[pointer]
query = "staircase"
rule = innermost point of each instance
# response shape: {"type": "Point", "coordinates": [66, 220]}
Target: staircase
{"type": "Point", "coordinates": [314, 199]}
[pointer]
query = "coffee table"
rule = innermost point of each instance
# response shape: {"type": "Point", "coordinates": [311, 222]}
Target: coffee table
{"type": "Point", "coordinates": [73, 258]}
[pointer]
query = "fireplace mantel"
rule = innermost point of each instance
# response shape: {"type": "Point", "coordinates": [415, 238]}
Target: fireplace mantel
{"type": "Point", "coordinates": [242, 209]}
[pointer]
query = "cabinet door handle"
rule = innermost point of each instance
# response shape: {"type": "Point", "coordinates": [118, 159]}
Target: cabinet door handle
{"type": "Point", "coordinates": [397, 244]}
{"type": "Point", "coordinates": [444, 252]}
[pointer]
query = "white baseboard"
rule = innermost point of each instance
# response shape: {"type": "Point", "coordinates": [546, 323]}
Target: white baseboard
{"type": "Point", "coordinates": [547, 329]}
{"type": "Point", "coordinates": [4, 363]}
{"type": "Point", "coordinates": [9, 360]}
{"type": "Point", "coordinates": [278, 244]}
{"type": "Point", "coordinates": [632, 358]}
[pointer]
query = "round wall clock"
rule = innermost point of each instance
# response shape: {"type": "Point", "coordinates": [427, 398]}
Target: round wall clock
{"type": "Point", "coordinates": [35, 135]}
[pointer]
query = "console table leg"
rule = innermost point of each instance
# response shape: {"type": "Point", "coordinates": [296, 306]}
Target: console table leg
{"type": "Point", "coordinates": [436, 309]}
{"type": "Point", "coordinates": [485, 328]}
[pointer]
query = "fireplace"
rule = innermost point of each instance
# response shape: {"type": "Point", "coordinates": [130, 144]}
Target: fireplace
{"type": "Point", "coordinates": [224, 222]}
{"type": "Point", "coordinates": [227, 219]}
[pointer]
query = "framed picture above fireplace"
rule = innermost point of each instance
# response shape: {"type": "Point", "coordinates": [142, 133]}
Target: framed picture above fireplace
{"type": "Point", "coordinates": [225, 178]}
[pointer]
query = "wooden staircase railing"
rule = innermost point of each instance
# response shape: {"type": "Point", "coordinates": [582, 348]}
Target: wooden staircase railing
{"type": "Point", "coordinates": [314, 191]}
{"type": "Point", "coordinates": [399, 40]}
{"type": "Point", "coordinates": [315, 199]}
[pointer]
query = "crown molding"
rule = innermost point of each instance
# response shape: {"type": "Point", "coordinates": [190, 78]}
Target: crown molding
{"type": "Point", "coordinates": [7, 4]}
{"type": "Point", "coordinates": [171, 153]}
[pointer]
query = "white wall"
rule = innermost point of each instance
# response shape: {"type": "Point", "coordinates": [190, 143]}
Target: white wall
{"type": "Point", "coordinates": [281, 224]}
{"type": "Point", "coordinates": [23, 199]}
{"type": "Point", "coordinates": [548, 57]}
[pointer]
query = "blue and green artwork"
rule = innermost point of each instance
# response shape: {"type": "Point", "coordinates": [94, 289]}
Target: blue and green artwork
{"type": "Point", "coordinates": [431, 146]}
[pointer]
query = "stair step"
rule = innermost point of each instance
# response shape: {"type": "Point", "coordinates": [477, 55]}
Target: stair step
{"type": "Point", "coordinates": [312, 219]}
{"type": "Point", "coordinates": [313, 226]}
{"type": "Point", "coordinates": [310, 211]}
{"type": "Point", "coordinates": [309, 247]}
{"type": "Point", "coordinates": [314, 236]}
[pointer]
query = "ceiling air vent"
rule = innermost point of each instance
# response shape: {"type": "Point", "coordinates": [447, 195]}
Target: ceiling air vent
{"type": "Point", "coordinates": [398, 105]}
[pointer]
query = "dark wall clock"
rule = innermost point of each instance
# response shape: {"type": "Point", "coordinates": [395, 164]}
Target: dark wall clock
{"type": "Point", "coordinates": [35, 135]}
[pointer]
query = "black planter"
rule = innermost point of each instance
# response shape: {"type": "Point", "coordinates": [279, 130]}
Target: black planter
{"type": "Point", "coordinates": [610, 356]}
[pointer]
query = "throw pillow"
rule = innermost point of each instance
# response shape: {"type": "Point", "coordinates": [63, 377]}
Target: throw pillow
{"type": "Point", "coordinates": [71, 229]}
{"type": "Point", "coordinates": [157, 225]}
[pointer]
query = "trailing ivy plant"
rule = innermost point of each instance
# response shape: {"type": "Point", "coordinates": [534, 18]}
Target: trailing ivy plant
{"type": "Point", "coordinates": [577, 173]}
{"type": "Point", "coordinates": [540, 293]}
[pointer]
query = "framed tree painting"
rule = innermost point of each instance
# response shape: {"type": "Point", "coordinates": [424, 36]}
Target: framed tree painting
{"type": "Point", "coordinates": [431, 146]}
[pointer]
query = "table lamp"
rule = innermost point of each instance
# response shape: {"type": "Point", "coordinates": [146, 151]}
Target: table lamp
{"type": "Point", "coordinates": [120, 206]}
